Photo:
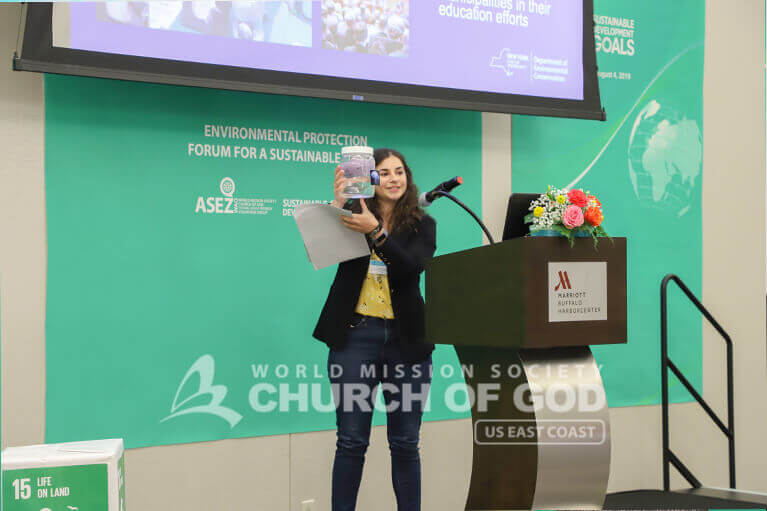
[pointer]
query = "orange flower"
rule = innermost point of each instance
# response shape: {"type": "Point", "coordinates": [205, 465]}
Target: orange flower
{"type": "Point", "coordinates": [593, 216]}
{"type": "Point", "coordinates": [592, 198]}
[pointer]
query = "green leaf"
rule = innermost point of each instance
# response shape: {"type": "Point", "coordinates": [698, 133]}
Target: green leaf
{"type": "Point", "coordinates": [529, 218]}
{"type": "Point", "coordinates": [601, 232]}
{"type": "Point", "coordinates": [564, 231]}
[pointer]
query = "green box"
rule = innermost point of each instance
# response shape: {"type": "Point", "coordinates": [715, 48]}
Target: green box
{"type": "Point", "coordinates": [76, 476]}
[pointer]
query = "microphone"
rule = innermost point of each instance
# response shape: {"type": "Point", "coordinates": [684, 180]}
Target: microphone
{"type": "Point", "coordinates": [426, 198]}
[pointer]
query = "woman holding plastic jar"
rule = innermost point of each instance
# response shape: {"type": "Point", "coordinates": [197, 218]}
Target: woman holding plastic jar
{"type": "Point", "coordinates": [373, 322]}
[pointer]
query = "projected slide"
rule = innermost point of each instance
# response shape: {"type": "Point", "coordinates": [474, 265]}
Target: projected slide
{"type": "Point", "coordinates": [527, 47]}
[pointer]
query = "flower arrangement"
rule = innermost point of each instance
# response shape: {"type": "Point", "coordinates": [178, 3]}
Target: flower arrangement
{"type": "Point", "coordinates": [569, 213]}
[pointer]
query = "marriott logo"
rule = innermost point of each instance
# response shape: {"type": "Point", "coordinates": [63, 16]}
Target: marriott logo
{"type": "Point", "coordinates": [564, 281]}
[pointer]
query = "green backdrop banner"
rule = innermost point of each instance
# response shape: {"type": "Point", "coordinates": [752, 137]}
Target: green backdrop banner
{"type": "Point", "coordinates": [645, 165]}
{"type": "Point", "coordinates": [179, 291]}
{"type": "Point", "coordinates": [180, 300]}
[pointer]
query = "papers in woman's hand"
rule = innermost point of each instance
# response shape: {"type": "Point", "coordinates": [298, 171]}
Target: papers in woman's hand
{"type": "Point", "coordinates": [326, 239]}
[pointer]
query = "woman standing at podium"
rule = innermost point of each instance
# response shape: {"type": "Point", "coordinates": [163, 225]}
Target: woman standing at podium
{"type": "Point", "coordinates": [373, 322]}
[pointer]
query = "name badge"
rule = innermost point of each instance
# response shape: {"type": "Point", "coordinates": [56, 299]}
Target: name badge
{"type": "Point", "coordinates": [377, 267]}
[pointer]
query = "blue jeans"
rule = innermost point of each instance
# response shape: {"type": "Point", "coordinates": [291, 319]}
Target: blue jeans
{"type": "Point", "coordinates": [372, 356]}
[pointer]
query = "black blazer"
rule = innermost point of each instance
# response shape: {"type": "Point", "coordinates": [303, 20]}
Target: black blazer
{"type": "Point", "coordinates": [405, 255]}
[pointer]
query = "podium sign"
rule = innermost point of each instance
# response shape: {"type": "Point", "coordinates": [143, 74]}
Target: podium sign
{"type": "Point", "coordinates": [577, 291]}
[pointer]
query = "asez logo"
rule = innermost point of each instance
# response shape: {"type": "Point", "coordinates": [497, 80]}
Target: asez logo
{"type": "Point", "coordinates": [219, 205]}
{"type": "Point", "coordinates": [564, 281]}
{"type": "Point", "coordinates": [204, 367]}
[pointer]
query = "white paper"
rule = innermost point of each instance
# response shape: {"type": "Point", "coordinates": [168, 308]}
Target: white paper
{"type": "Point", "coordinates": [326, 239]}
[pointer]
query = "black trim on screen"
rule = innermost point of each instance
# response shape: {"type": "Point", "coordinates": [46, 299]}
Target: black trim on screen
{"type": "Point", "coordinates": [39, 55]}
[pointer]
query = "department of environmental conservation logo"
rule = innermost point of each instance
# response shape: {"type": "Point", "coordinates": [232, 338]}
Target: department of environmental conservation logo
{"type": "Point", "coordinates": [508, 61]}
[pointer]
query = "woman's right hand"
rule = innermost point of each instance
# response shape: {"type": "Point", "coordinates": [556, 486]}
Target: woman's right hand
{"type": "Point", "coordinates": [338, 188]}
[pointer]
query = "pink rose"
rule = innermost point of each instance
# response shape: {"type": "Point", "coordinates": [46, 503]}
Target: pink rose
{"type": "Point", "coordinates": [573, 217]}
{"type": "Point", "coordinates": [578, 198]}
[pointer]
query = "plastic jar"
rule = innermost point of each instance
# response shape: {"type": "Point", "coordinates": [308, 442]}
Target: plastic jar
{"type": "Point", "coordinates": [357, 162]}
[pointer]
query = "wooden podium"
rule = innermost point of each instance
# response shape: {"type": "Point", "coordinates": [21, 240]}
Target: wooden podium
{"type": "Point", "coordinates": [521, 315]}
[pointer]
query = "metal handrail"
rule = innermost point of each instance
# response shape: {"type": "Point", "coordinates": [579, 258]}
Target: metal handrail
{"type": "Point", "coordinates": [729, 431]}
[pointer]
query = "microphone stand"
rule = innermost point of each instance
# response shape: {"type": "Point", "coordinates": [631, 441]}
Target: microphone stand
{"type": "Point", "coordinates": [469, 211]}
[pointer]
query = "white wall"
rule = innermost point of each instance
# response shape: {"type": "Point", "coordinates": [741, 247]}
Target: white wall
{"type": "Point", "coordinates": [277, 472]}
{"type": "Point", "coordinates": [734, 221]}
{"type": "Point", "coordinates": [22, 244]}
{"type": "Point", "coordinates": [733, 272]}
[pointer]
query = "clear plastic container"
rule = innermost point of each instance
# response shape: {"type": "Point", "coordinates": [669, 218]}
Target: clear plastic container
{"type": "Point", "coordinates": [357, 162]}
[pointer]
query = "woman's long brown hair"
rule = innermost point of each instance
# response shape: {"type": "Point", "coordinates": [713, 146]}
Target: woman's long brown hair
{"type": "Point", "coordinates": [406, 212]}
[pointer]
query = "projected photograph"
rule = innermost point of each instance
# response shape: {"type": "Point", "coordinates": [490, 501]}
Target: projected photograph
{"type": "Point", "coordinates": [377, 27]}
{"type": "Point", "coordinates": [279, 22]}
{"type": "Point", "coordinates": [342, 38]}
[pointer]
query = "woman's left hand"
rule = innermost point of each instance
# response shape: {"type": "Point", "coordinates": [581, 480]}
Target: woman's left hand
{"type": "Point", "coordinates": [363, 222]}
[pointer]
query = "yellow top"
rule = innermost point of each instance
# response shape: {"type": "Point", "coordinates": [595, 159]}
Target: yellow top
{"type": "Point", "coordinates": [375, 297]}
